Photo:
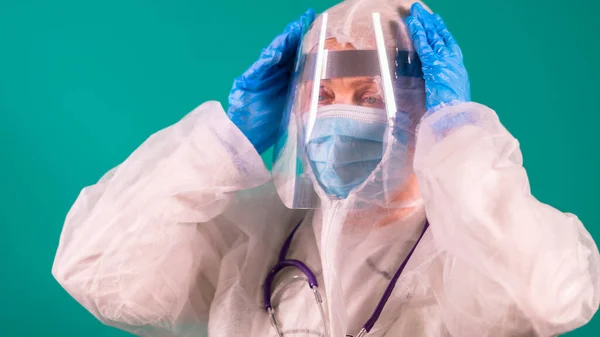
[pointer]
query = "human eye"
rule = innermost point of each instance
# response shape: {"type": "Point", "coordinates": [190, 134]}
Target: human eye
{"type": "Point", "coordinates": [325, 96]}
{"type": "Point", "coordinates": [373, 100]}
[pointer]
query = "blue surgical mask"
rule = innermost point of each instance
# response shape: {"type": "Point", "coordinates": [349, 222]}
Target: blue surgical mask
{"type": "Point", "coordinates": [345, 146]}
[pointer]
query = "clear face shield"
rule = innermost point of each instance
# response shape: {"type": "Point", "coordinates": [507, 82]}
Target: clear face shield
{"type": "Point", "coordinates": [356, 97]}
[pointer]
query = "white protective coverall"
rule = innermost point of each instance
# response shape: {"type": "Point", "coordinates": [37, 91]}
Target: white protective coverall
{"type": "Point", "coordinates": [178, 239]}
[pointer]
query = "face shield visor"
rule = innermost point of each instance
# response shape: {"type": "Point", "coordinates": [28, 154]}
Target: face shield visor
{"type": "Point", "coordinates": [356, 96]}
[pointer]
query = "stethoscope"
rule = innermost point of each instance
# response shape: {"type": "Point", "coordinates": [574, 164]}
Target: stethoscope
{"type": "Point", "coordinates": [283, 262]}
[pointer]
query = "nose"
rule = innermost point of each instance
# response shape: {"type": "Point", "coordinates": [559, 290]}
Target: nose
{"type": "Point", "coordinates": [345, 98]}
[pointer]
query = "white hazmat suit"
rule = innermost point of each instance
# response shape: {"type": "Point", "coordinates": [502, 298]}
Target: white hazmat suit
{"type": "Point", "coordinates": [177, 242]}
{"type": "Point", "coordinates": [179, 238]}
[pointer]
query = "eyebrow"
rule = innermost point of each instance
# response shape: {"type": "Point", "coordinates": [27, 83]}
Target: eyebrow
{"type": "Point", "coordinates": [363, 83]}
{"type": "Point", "coordinates": [355, 83]}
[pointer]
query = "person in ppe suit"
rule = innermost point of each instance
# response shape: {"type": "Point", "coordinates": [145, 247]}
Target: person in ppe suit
{"type": "Point", "coordinates": [396, 206]}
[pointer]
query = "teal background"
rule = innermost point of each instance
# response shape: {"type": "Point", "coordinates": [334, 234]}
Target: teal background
{"type": "Point", "coordinates": [82, 84]}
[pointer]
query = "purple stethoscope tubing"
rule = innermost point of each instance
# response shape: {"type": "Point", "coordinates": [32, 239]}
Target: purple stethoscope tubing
{"type": "Point", "coordinates": [282, 263]}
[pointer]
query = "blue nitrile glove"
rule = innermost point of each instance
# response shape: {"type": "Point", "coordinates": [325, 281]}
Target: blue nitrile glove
{"type": "Point", "coordinates": [257, 99]}
{"type": "Point", "coordinates": [446, 79]}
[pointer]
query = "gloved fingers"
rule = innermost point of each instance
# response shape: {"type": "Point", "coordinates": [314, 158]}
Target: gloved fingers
{"type": "Point", "coordinates": [307, 18]}
{"type": "Point", "coordinates": [295, 30]}
{"type": "Point", "coordinates": [419, 39]}
{"type": "Point", "coordinates": [281, 51]}
{"type": "Point", "coordinates": [287, 43]}
{"type": "Point", "coordinates": [418, 11]}
{"type": "Point", "coordinates": [447, 36]}
{"type": "Point", "coordinates": [435, 40]}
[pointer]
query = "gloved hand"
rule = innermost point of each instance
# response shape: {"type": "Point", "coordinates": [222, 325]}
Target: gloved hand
{"type": "Point", "coordinates": [257, 99]}
{"type": "Point", "coordinates": [446, 79]}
